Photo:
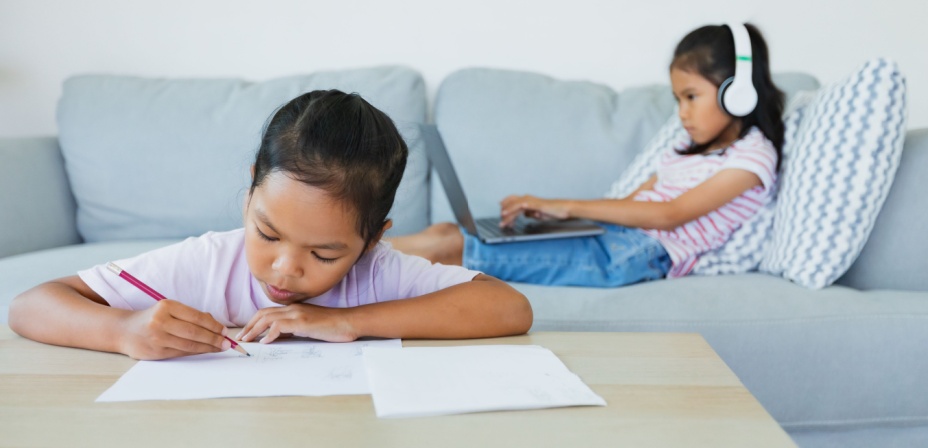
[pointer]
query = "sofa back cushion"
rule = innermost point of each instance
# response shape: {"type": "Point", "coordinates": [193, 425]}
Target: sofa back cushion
{"type": "Point", "coordinates": [894, 256]}
{"type": "Point", "coordinates": [170, 158]}
{"type": "Point", "coordinates": [524, 133]}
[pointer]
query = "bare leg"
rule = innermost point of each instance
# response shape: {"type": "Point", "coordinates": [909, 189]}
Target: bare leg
{"type": "Point", "coordinates": [439, 243]}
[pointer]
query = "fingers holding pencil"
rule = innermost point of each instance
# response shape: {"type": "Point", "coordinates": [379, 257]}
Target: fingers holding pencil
{"type": "Point", "coordinates": [202, 320]}
{"type": "Point", "coordinates": [171, 329]}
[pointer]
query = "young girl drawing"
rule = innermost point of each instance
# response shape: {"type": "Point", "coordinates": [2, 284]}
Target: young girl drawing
{"type": "Point", "coordinates": [703, 189]}
{"type": "Point", "coordinates": [308, 262]}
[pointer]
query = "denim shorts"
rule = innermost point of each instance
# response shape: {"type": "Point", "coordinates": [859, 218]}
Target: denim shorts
{"type": "Point", "coordinates": [621, 256]}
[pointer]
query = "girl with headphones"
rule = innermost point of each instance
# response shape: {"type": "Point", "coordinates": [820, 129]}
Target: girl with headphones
{"type": "Point", "coordinates": [703, 189]}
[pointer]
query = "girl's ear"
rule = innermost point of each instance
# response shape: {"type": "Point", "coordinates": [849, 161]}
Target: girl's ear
{"type": "Point", "coordinates": [252, 172]}
{"type": "Point", "coordinates": [386, 226]}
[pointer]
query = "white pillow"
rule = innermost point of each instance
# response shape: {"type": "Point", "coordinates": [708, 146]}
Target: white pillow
{"type": "Point", "coordinates": [837, 175]}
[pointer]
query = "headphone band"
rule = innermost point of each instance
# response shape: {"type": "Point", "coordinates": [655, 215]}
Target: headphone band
{"type": "Point", "coordinates": [744, 58]}
{"type": "Point", "coordinates": [737, 95]}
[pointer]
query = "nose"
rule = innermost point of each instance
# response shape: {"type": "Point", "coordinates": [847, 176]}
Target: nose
{"type": "Point", "coordinates": [683, 110]}
{"type": "Point", "coordinates": [287, 264]}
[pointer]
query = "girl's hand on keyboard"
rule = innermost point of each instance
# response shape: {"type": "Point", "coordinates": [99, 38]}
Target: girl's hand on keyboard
{"type": "Point", "coordinates": [533, 207]}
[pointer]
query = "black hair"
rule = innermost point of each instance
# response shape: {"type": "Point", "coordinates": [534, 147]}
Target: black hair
{"type": "Point", "coordinates": [710, 52]}
{"type": "Point", "coordinates": [342, 144]}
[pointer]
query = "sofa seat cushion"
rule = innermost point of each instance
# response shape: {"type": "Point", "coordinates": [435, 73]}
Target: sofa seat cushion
{"type": "Point", "coordinates": [835, 357]}
{"type": "Point", "coordinates": [22, 272]}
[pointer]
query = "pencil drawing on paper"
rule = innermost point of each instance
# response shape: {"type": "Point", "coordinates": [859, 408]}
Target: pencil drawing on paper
{"type": "Point", "coordinates": [311, 352]}
{"type": "Point", "coordinates": [340, 373]}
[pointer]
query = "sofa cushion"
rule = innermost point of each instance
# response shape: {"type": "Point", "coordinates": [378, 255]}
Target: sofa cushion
{"type": "Point", "coordinates": [837, 174]}
{"type": "Point", "coordinates": [835, 357]}
{"type": "Point", "coordinates": [512, 132]}
{"type": "Point", "coordinates": [894, 256]}
{"type": "Point", "coordinates": [887, 435]}
{"type": "Point", "coordinates": [43, 216]}
{"type": "Point", "coordinates": [170, 158]}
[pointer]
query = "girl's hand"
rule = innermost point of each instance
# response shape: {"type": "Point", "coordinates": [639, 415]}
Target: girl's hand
{"type": "Point", "coordinates": [299, 319]}
{"type": "Point", "coordinates": [533, 207]}
{"type": "Point", "coordinates": [170, 329]}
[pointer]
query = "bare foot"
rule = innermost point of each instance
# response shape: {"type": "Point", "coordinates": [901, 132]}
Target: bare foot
{"type": "Point", "coordinates": [439, 243]}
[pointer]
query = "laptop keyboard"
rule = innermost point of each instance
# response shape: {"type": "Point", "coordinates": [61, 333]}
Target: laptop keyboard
{"type": "Point", "coordinates": [490, 227]}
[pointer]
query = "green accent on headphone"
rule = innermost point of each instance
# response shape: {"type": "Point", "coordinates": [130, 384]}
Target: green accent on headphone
{"type": "Point", "coordinates": [744, 58]}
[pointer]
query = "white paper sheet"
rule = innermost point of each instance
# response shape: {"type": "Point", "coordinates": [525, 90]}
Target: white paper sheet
{"type": "Point", "coordinates": [421, 381]}
{"type": "Point", "coordinates": [279, 368]}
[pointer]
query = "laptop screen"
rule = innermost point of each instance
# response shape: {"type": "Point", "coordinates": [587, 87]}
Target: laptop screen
{"type": "Point", "coordinates": [441, 162]}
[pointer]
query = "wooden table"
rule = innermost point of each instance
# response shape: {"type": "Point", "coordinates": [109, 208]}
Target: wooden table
{"type": "Point", "coordinates": [662, 389]}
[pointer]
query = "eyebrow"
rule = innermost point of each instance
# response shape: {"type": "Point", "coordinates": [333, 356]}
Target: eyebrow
{"type": "Point", "coordinates": [335, 245]}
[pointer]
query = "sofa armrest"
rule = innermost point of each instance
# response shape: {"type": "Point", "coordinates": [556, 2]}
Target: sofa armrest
{"type": "Point", "coordinates": [37, 209]}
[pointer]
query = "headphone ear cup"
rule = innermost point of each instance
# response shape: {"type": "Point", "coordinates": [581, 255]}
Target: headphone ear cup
{"type": "Point", "coordinates": [722, 89]}
{"type": "Point", "coordinates": [737, 98]}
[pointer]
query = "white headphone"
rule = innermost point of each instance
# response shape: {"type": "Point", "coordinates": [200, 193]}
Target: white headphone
{"type": "Point", "coordinates": [737, 95]}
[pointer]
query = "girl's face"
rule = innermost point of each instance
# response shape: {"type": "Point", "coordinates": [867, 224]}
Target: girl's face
{"type": "Point", "coordinates": [299, 242]}
{"type": "Point", "coordinates": [703, 118]}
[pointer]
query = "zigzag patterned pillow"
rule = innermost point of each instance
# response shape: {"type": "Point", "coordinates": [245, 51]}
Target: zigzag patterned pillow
{"type": "Point", "coordinates": [837, 175]}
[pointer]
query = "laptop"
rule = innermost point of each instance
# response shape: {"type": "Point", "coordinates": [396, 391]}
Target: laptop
{"type": "Point", "coordinates": [487, 229]}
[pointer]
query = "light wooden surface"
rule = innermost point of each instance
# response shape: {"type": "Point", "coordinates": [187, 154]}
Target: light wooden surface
{"type": "Point", "coordinates": [662, 390]}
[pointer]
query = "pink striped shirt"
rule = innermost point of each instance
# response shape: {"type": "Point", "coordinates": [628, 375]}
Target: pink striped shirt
{"type": "Point", "coordinates": [677, 174]}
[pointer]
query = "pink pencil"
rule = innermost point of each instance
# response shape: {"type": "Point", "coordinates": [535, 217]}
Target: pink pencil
{"type": "Point", "coordinates": [157, 296]}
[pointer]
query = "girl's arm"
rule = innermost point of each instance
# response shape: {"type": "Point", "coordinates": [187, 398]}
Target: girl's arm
{"type": "Point", "coordinates": [481, 308]}
{"type": "Point", "coordinates": [67, 312]}
{"type": "Point", "coordinates": [647, 185]}
{"type": "Point", "coordinates": [547, 208]}
{"type": "Point", "coordinates": [710, 195]}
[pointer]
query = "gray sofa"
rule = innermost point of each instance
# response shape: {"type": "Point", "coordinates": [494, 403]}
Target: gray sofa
{"type": "Point", "coordinates": [141, 163]}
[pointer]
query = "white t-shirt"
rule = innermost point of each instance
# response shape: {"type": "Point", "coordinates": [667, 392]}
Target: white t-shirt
{"type": "Point", "coordinates": [210, 274]}
{"type": "Point", "coordinates": [677, 174]}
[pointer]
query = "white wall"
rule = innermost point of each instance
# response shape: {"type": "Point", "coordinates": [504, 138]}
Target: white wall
{"type": "Point", "coordinates": [618, 43]}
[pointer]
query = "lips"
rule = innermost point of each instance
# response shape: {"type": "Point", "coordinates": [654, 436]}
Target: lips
{"type": "Point", "coordinates": [279, 294]}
